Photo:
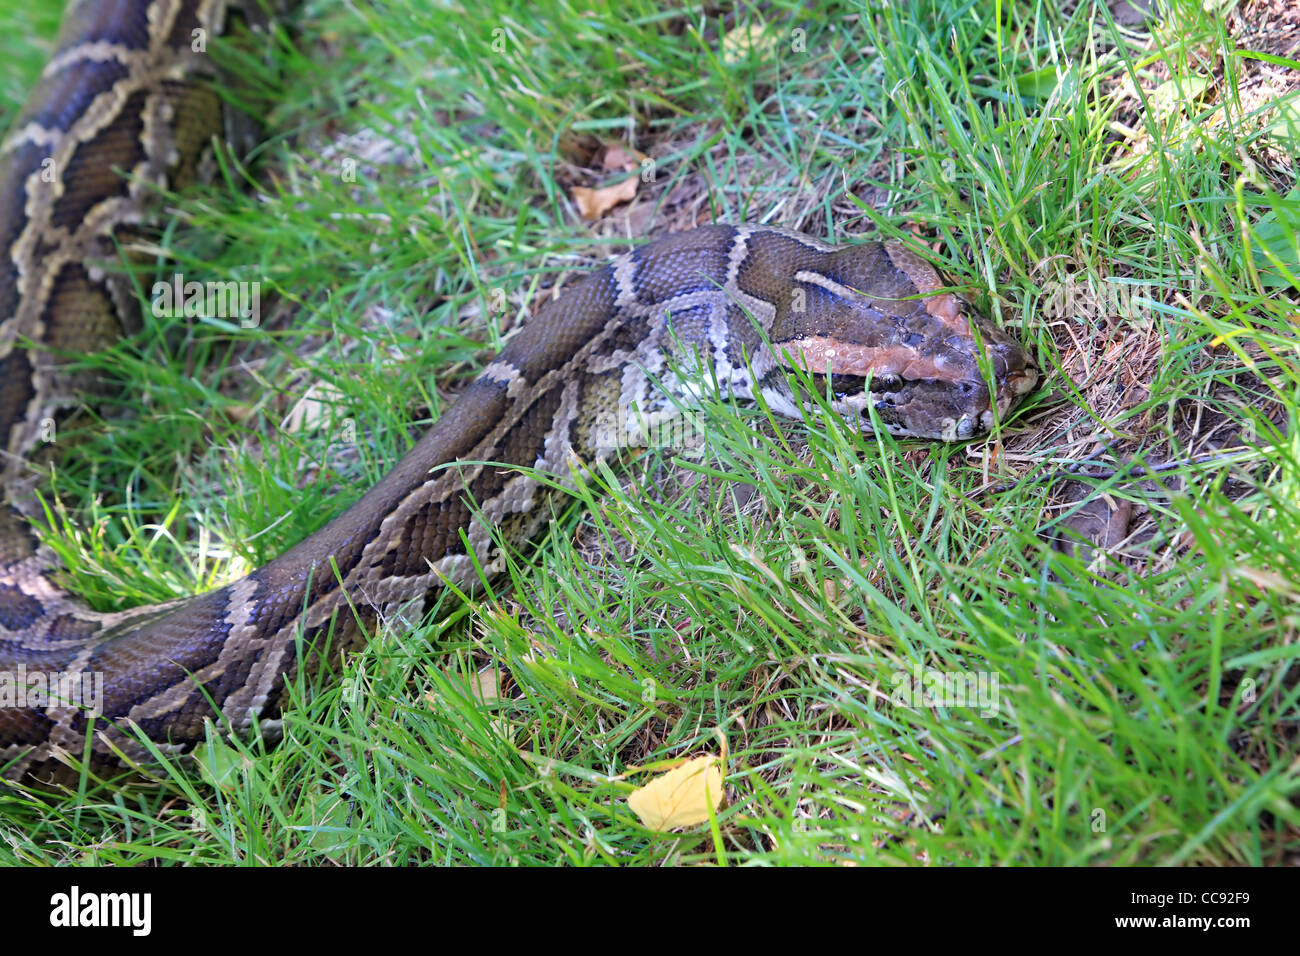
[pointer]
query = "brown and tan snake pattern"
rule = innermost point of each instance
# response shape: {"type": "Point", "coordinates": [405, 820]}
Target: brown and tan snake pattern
{"type": "Point", "coordinates": [129, 92]}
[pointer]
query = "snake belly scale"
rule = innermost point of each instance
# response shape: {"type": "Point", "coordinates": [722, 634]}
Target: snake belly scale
{"type": "Point", "coordinates": [126, 91]}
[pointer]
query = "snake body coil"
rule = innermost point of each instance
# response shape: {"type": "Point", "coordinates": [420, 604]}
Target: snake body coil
{"type": "Point", "coordinates": [595, 366]}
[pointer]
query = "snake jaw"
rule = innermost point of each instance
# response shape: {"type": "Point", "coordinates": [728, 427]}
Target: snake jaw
{"type": "Point", "coordinates": [934, 391]}
{"type": "Point", "coordinates": [1015, 374]}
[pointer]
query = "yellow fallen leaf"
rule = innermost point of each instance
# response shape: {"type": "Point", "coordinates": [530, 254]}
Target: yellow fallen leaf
{"type": "Point", "coordinates": [594, 203]}
{"type": "Point", "coordinates": [742, 42]}
{"type": "Point", "coordinates": [681, 797]}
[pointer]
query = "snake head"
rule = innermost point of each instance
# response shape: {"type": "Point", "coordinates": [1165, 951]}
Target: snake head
{"type": "Point", "coordinates": [935, 390]}
{"type": "Point", "coordinates": [876, 334]}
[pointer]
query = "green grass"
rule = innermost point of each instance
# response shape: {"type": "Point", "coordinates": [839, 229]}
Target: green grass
{"type": "Point", "coordinates": [773, 590]}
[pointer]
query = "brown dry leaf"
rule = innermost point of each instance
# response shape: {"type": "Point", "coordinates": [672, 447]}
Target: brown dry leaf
{"type": "Point", "coordinates": [314, 409]}
{"type": "Point", "coordinates": [619, 160]}
{"type": "Point", "coordinates": [239, 412]}
{"type": "Point", "coordinates": [682, 796]}
{"type": "Point", "coordinates": [484, 687]}
{"type": "Point", "coordinates": [594, 203]}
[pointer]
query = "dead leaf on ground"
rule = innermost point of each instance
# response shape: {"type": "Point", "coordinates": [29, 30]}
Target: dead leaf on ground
{"type": "Point", "coordinates": [484, 686]}
{"type": "Point", "coordinates": [619, 159]}
{"type": "Point", "coordinates": [682, 796]}
{"type": "Point", "coordinates": [314, 409]}
{"type": "Point", "coordinates": [757, 40]}
{"type": "Point", "coordinates": [594, 203]}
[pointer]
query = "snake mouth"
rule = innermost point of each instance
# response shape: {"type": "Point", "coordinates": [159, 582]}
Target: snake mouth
{"type": "Point", "coordinates": [929, 408]}
{"type": "Point", "coordinates": [937, 391]}
{"type": "Point", "coordinates": [840, 386]}
{"type": "Point", "coordinates": [1015, 386]}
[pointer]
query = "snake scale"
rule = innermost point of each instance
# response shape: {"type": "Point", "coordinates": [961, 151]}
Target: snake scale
{"type": "Point", "coordinates": [126, 105]}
